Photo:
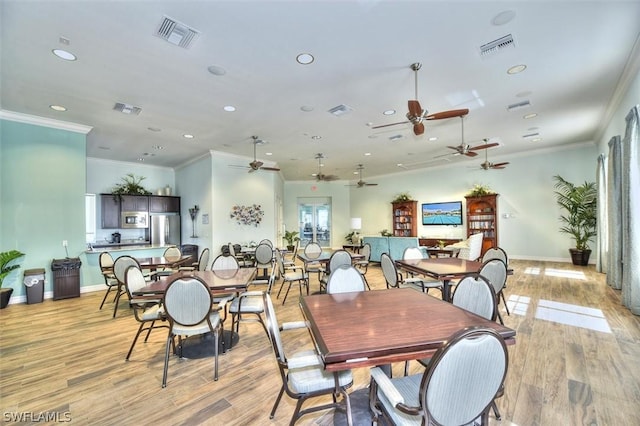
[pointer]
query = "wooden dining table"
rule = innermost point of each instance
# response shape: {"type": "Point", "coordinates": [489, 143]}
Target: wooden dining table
{"type": "Point", "coordinates": [219, 282]}
{"type": "Point", "coordinates": [442, 269]}
{"type": "Point", "coordinates": [156, 262]}
{"type": "Point", "coordinates": [379, 327]}
{"type": "Point", "coordinates": [325, 256]}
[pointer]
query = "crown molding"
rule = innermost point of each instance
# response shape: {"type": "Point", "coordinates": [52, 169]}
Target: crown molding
{"type": "Point", "coordinates": [44, 122]}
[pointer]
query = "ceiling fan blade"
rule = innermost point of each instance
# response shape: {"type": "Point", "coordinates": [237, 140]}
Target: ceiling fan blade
{"type": "Point", "coordinates": [470, 154]}
{"type": "Point", "coordinates": [414, 108]}
{"type": "Point", "coordinates": [273, 169]}
{"type": "Point", "coordinates": [455, 148]}
{"type": "Point", "coordinates": [418, 129]}
{"type": "Point", "coordinates": [447, 114]}
{"type": "Point", "coordinates": [500, 165]}
{"type": "Point", "coordinates": [392, 124]}
{"type": "Point", "coordinates": [371, 184]}
{"type": "Point", "coordinates": [485, 146]}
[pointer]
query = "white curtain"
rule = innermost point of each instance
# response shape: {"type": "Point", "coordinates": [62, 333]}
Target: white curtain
{"type": "Point", "coordinates": [631, 212]}
{"type": "Point", "coordinates": [614, 214]}
{"type": "Point", "coordinates": [623, 209]}
{"type": "Point", "coordinates": [601, 230]}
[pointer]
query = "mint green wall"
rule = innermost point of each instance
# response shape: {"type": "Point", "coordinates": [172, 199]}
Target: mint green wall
{"type": "Point", "coordinates": [42, 181]}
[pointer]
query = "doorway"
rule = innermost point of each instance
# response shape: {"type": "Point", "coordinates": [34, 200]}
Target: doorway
{"type": "Point", "coordinates": [314, 218]}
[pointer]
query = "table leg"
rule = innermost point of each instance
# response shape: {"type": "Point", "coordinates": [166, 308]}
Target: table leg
{"type": "Point", "coordinates": [345, 396]}
{"type": "Point", "coordinates": [446, 290]}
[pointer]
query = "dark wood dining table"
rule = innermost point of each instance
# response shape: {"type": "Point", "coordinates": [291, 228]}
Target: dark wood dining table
{"type": "Point", "coordinates": [325, 256]}
{"type": "Point", "coordinates": [442, 269]}
{"type": "Point", "coordinates": [156, 262]}
{"type": "Point", "coordinates": [219, 282]}
{"type": "Point", "coordinates": [379, 327]}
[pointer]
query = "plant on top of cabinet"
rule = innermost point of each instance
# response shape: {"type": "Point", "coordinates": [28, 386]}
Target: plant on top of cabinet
{"type": "Point", "coordinates": [131, 185]}
{"type": "Point", "coordinates": [400, 198]}
{"type": "Point", "coordinates": [480, 190]}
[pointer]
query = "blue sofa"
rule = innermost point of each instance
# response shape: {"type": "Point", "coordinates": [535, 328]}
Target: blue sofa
{"type": "Point", "coordinates": [393, 245]}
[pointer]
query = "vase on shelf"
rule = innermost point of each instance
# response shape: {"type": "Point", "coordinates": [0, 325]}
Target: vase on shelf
{"type": "Point", "coordinates": [193, 212]}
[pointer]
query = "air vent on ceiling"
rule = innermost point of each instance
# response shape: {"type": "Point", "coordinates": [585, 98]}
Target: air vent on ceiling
{"type": "Point", "coordinates": [340, 110]}
{"type": "Point", "coordinates": [531, 135]}
{"type": "Point", "coordinates": [127, 109]}
{"type": "Point", "coordinates": [176, 32]}
{"type": "Point", "coordinates": [497, 45]}
{"type": "Point", "coordinates": [519, 105]}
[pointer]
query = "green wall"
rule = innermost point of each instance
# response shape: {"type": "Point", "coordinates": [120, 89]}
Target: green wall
{"type": "Point", "coordinates": [42, 187]}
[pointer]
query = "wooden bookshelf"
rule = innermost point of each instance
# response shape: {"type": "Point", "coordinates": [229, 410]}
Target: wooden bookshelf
{"type": "Point", "coordinates": [482, 216]}
{"type": "Point", "coordinates": [405, 219]}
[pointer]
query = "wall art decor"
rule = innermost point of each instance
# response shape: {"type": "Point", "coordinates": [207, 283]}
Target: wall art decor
{"type": "Point", "coordinates": [247, 215]}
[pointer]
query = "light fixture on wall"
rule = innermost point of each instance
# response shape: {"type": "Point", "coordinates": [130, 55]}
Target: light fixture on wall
{"type": "Point", "coordinates": [193, 212]}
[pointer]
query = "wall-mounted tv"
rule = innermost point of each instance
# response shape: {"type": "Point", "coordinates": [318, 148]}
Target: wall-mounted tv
{"type": "Point", "coordinates": [449, 213]}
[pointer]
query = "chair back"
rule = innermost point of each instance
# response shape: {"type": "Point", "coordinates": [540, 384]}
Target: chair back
{"type": "Point", "coordinates": [389, 270]}
{"type": "Point", "coordinates": [495, 271]}
{"type": "Point", "coordinates": [266, 241]}
{"type": "Point", "coordinates": [224, 262]}
{"type": "Point", "coordinates": [120, 267]}
{"type": "Point", "coordinates": [232, 249]}
{"type": "Point", "coordinates": [106, 261]}
{"type": "Point", "coordinates": [203, 260]}
{"type": "Point", "coordinates": [412, 253]}
{"type": "Point", "coordinates": [134, 280]}
{"type": "Point", "coordinates": [339, 258]}
{"type": "Point", "coordinates": [345, 279]}
{"type": "Point", "coordinates": [273, 328]}
{"type": "Point", "coordinates": [474, 247]}
{"type": "Point", "coordinates": [280, 262]}
{"type": "Point", "coordinates": [463, 377]}
{"type": "Point", "coordinates": [366, 252]}
{"type": "Point", "coordinates": [263, 255]}
{"type": "Point", "coordinates": [312, 250]}
{"type": "Point", "coordinates": [496, 253]}
{"type": "Point", "coordinates": [187, 301]}
{"type": "Point", "coordinates": [172, 253]}
{"type": "Point", "coordinates": [475, 294]}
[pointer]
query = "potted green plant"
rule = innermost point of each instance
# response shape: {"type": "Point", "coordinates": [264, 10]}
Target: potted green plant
{"type": "Point", "coordinates": [351, 237]}
{"type": "Point", "coordinates": [6, 258]}
{"type": "Point", "coordinates": [131, 185]}
{"type": "Point", "coordinates": [578, 203]}
{"type": "Point", "coordinates": [291, 237]}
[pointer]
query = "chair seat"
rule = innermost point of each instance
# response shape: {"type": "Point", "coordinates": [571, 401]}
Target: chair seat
{"type": "Point", "coordinates": [312, 378]}
{"type": "Point", "coordinates": [250, 304]}
{"type": "Point", "coordinates": [201, 328]}
{"type": "Point", "coordinates": [295, 276]}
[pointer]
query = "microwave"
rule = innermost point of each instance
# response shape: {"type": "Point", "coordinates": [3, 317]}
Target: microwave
{"type": "Point", "coordinates": [134, 220]}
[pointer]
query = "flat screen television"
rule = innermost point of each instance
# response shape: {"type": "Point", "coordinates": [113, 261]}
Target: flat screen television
{"type": "Point", "coordinates": [449, 213]}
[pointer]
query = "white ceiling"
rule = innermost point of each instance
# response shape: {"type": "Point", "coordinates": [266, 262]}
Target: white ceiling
{"type": "Point", "coordinates": [579, 55]}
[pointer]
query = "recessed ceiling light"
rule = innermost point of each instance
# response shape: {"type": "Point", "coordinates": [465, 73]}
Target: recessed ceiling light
{"type": "Point", "coordinates": [63, 54]}
{"type": "Point", "coordinates": [304, 58]}
{"type": "Point", "coordinates": [536, 139]}
{"type": "Point", "coordinates": [306, 108]}
{"type": "Point", "coordinates": [503, 17]}
{"type": "Point", "coordinates": [316, 137]}
{"type": "Point", "coordinates": [216, 70]}
{"type": "Point", "coordinates": [531, 115]}
{"type": "Point", "coordinates": [356, 172]}
{"type": "Point", "coordinates": [229, 108]}
{"type": "Point", "coordinates": [268, 153]}
{"type": "Point", "coordinates": [399, 164]}
{"type": "Point", "coordinates": [59, 108]}
{"type": "Point", "coordinates": [516, 69]}
{"type": "Point", "coordinates": [187, 136]}
{"type": "Point", "coordinates": [389, 112]}
{"type": "Point", "coordinates": [366, 154]}
{"type": "Point", "coordinates": [433, 138]}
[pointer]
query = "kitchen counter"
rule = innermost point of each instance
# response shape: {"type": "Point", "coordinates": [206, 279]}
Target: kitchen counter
{"type": "Point", "coordinates": [124, 245]}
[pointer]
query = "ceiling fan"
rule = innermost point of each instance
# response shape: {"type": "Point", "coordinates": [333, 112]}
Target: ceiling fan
{"type": "Point", "coordinates": [468, 150]}
{"type": "Point", "coordinates": [417, 115]}
{"type": "Point", "coordinates": [255, 164]}
{"type": "Point", "coordinates": [487, 165]}
{"type": "Point", "coordinates": [361, 182]}
{"type": "Point", "coordinates": [320, 176]}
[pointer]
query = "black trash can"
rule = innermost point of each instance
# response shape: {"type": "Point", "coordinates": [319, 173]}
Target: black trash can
{"type": "Point", "coordinates": [66, 277]}
{"type": "Point", "coordinates": [34, 282]}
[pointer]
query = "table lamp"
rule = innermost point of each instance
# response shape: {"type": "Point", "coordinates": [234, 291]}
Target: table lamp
{"type": "Point", "coordinates": [356, 225]}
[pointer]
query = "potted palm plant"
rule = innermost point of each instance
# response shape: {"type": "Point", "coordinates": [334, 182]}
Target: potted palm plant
{"type": "Point", "coordinates": [578, 203]}
{"type": "Point", "coordinates": [6, 258]}
{"type": "Point", "coordinates": [291, 237]}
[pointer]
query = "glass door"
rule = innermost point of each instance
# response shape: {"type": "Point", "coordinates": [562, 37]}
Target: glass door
{"type": "Point", "coordinates": [314, 217]}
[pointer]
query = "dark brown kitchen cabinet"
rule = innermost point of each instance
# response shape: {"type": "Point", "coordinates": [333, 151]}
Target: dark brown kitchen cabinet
{"type": "Point", "coordinates": [164, 204]}
{"type": "Point", "coordinates": [110, 211]}
{"type": "Point", "coordinates": [134, 203]}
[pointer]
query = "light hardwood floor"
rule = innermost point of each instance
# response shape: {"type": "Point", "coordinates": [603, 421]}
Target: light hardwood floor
{"type": "Point", "coordinates": [67, 356]}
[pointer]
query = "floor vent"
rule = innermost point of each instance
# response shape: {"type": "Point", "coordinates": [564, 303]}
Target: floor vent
{"type": "Point", "coordinates": [176, 32]}
{"type": "Point", "coordinates": [497, 45]}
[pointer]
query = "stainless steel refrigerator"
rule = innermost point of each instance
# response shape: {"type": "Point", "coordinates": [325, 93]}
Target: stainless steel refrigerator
{"type": "Point", "coordinates": [165, 229]}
